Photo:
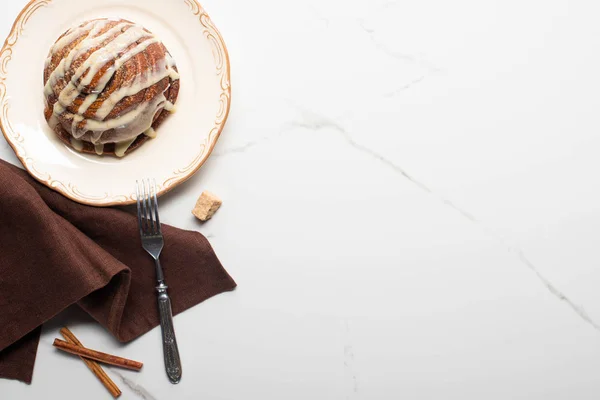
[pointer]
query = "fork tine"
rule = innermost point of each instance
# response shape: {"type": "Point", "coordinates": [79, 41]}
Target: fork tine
{"type": "Point", "coordinates": [158, 228]}
{"type": "Point", "coordinates": [150, 207]}
{"type": "Point", "coordinates": [147, 228]}
{"type": "Point", "coordinates": [139, 206]}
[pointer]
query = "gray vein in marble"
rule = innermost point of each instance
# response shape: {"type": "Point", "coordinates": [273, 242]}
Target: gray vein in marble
{"type": "Point", "coordinates": [417, 59]}
{"type": "Point", "coordinates": [238, 149]}
{"type": "Point", "coordinates": [459, 210]}
{"type": "Point", "coordinates": [351, 376]}
{"type": "Point", "coordinates": [285, 128]}
{"type": "Point", "coordinates": [313, 121]}
{"type": "Point", "coordinates": [380, 46]}
{"type": "Point", "coordinates": [138, 389]}
{"type": "Point", "coordinates": [405, 87]}
{"type": "Point", "coordinates": [554, 290]}
{"type": "Point", "coordinates": [318, 16]}
{"type": "Point", "coordinates": [522, 257]}
{"type": "Point", "coordinates": [383, 160]}
{"type": "Point", "coordinates": [388, 4]}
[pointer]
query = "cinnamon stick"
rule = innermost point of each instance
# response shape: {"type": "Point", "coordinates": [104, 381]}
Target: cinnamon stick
{"type": "Point", "coordinates": [93, 365]}
{"type": "Point", "coordinates": [97, 355]}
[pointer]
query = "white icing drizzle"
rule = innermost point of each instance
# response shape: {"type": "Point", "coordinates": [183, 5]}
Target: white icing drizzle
{"type": "Point", "coordinates": [82, 47]}
{"type": "Point", "coordinates": [77, 144]}
{"type": "Point", "coordinates": [126, 127]}
{"type": "Point", "coordinates": [151, 133]}
{"type": "Point", "coordinates": [90, 99]}
{"type": "Point", "coordinates": [122, 147]}
{"type": "Point", "coordinates": [98, 59]}
{"type": "Point", "coordinates": [140, 83]}
{"type": "Point", "coordinates": [99, 149]}
{"type": "Point", "coordinates": [174, 75]}
{"type": "Point", "coordinates": [170, 107]}
{"type": "Point", "coordinates": [53, 122]}
{"type": "Point", "coordinates": [136, 121]}
{"type": "Point", "coordinates": [68, 38]}
{"type": "Point", "coordinates": [76, 120]}
{"type": "Point", "coordinates": [71, 35]}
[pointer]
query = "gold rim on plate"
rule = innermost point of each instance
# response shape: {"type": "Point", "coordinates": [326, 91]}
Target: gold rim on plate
{"type": "Point", "coordinates": [178, 176]}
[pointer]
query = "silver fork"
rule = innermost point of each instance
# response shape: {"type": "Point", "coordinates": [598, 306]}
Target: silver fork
{"type": "Point", "coordinates": [153, 243]}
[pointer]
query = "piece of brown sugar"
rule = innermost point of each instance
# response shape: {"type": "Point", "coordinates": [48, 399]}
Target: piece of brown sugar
{"type": "Point", "coordinates": [206, 206]}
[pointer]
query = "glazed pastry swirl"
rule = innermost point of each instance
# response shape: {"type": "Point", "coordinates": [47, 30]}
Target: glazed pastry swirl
{"type": "Point", "coordinates": [108, 81]}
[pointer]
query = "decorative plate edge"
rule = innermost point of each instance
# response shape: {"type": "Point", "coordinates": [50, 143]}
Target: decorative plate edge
{"type": "Point", "coordinates": [178, 176]}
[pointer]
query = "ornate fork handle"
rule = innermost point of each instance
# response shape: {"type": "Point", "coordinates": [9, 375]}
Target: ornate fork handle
{"type": "Point", "coordinates": [171, 353]}
{"type": "Point", "coordinates": [153, 242]}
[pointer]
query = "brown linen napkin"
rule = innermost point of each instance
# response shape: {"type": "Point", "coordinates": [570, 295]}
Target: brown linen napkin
{"type": "Point", "coordinates": [55, 252]}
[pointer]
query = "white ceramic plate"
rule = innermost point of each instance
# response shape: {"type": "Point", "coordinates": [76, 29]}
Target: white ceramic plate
{"type": "Point", "coordinates": [185, 139]}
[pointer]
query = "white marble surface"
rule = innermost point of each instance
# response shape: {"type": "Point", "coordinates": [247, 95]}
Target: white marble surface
{"type": "Point", "coordinates": [411, 210]}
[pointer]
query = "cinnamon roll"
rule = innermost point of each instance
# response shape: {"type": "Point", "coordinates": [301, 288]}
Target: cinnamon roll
{"type": "Point", "coordinates": [108, 85]}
